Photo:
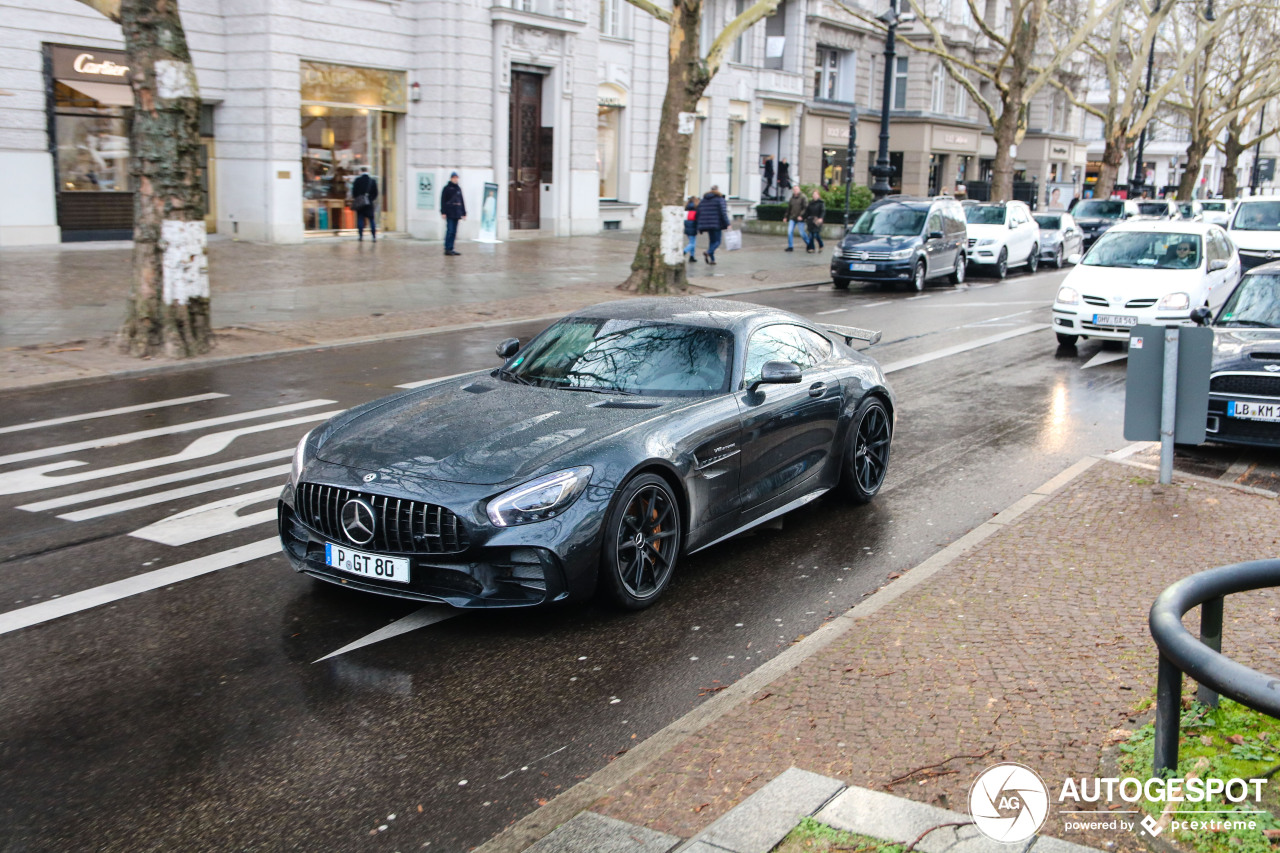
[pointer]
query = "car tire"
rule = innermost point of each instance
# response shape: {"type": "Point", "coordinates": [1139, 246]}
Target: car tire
{"type": "Point", "coordinates": [1058, 259]}
{"type": "Point", "coordinates": [957, 274]}
{"type": "Point", "coordinates": [1065, 340]}
{"type": "Point", "coordinates": [840, 283]}
{"type": "Point", "coordinates": [641, 544]}
{"type": "Point", "coordinates": [917, 277]}
{"type": "Point", "coordinates": [866, 451]}
{"type": "Point", "coordinates": [1002, 265]}
{"type": "Point", "coordinates": [1033, 260]}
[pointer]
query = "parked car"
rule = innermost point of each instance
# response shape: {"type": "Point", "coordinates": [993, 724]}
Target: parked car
{"type": "Point", "coordinates": [1255, 229]}
{"type": "Point", "coordinates": [1059, 237]}
{"type": "Point", "coordinates": [1158, 209]}
{"type": "Point", "coordinates": [1144, 272]}
{"type": "Point", "coordinates": [1192, 211]}
{"type": "Point", "coordinates": [1003, 235]}
{"type": "Point", "coordinates": [1244, 387]}
{"type": "Point", "coordinates": [1095, 216]}
{"type": "Point", "coordinates": [506, 488]}
{"type": "Point", "coordinates": [910, 240]}
{"type": "Point", "coordinates": [1218, 210]}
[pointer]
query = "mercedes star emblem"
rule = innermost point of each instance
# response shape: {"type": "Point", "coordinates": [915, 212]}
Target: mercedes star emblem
{"type": "Point", "coordinates": [357, 521]}
{"type": "Point", "coordinates": [369, 478]}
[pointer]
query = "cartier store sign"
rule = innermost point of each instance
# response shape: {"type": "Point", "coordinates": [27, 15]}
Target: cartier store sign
{"type": "Point", "coordinates": [90, 64]}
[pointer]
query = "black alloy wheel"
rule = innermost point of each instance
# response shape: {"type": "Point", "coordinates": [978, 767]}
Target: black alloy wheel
{"type": "Point", "coordinates": [1066, 340]}
{"type": "Point", "coordinates": [957, 275]}
{"type": "Point", "coordinates": [840, 283]}
{"type": "Point", "coordinates": [642, 543]}
{"type": "Point", "coordinates": [1033, 262]}
{"type": "Point", "coordinates": [1002, 264]}
{"type": "Point", "coordinates": [867, 451]}
{"type": "Point", "coordinates": [917, 277]}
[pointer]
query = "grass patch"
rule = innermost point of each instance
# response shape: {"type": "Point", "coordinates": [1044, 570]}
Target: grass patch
{"type": "Point", "coordinates": [1231, 741]}
{"type": "Point", "coordinates": [814, 837]}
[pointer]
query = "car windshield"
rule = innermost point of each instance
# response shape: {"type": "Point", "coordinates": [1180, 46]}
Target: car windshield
{"type": "Point", "coordinates": [1145, 249]}
{"type": "Point", "coordinates": [985, 214]}
{"type": "Point", "coordinates": [1049, 223]}
{"type": "Point", "coordinates": [1215, 206]}
{"type": "Point", "coordinates": [627, 356]}
{"type": "Point", "coordinates": [1257, 216]}
{"type": "Point", "coordinates": [1153, 208]}
{"type": "Point", "coordinates": [1256, 302]}
{"type": "Point", "coordinates": [1098, 210]}
{"type": "Point", "coordinates": [890, 221]}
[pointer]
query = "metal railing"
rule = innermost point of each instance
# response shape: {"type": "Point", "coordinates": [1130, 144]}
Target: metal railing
{"type": "Point", "coordinates": [1202, 659]}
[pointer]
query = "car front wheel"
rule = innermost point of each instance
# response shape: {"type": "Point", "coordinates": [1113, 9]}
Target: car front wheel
{"type": "Point", "coordinates": [957, 275]}
{"type": "Point", "coordinates": [866, 456]}
{"type": "Point", "coordinates": [1002, 264]}
{"type": "Point", "coordinates": [1058, 259]}
{"type": "Point", "coordinates": [1033, 261]}
{"type": "Point", "coordinates": [1067, 340]}
{"type": "Point", "coordinates": [840, 283]}
{"type": "Point", "coordinates": [917, 277]}
{"type": "Point", "coordinates": [641, 543]}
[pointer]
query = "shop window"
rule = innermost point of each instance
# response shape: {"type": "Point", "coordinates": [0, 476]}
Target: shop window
{"type": "Point", "coordinates": [608, 138]}
{"type": "Point", "coordinates": [900, 83]}
{"type": "Point", "coordinates": [92, 141]}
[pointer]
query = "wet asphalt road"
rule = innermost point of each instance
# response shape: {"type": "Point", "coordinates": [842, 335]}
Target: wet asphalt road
{"type": "Point", "coordinates": [198, 715]}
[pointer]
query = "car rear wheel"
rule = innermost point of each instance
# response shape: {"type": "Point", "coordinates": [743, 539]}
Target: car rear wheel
{"type": "Point", "coordinates": [840, 283]}
{"type": "Point", "coordinates": [1067, 340]}
{"type": "Point", "coordinates": [641, 543]}
{"type": "Point", "coordinates": [957, 274]}
{"type": "Point", "coordinates": [917, 277]}
{"type": "Point", "coordinates": [866, 456]}
{"type": "Point", "coordinates": [1033, 260]}
{"type": "Point", "coordinates": [1002, 264]}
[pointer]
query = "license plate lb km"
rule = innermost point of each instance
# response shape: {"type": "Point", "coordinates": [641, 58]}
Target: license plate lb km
{"type": "Point", "coordinates": [1253, 411]}
{"type": "Point", "coordinates": [374, 566]}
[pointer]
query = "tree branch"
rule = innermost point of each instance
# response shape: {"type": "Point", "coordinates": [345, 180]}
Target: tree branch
{"type": "Point", "coordinates": [657, 11]}
{"type": "Point", "coordinates": [110, 8]}
{"type": "Point", "coordinates": [739, 25]}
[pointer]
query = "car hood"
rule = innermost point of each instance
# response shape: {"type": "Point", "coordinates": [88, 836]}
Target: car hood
{"type": "Point", "coordinates": [1130, 282]}
{"type": "Point", "coordinates": [879, 242]}
{"type": "Point", "coordinates": [1246, 349]}
{"type": "Point", "coordinates": [983, 232]}
{"type": "Point", "coordinates": [481, 430]}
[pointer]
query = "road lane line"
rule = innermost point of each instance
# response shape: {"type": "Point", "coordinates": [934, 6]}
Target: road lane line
{"type": "Point", "coordinates": [34, 479]}
{"type": "Point", "coordinates": [46, 611]}
{"type": "Point", "coordinates": [832, 311]}
{"type": "Point", "coordinates": [211, 519]}
{"type": "Point", "coordinates": [162, 480]}
{"type": "Point", "coordinates": [423, 382]}
{"type": "Point", "coordinates": [129, 437]}
{"type": "Point", "coordinates": [105, 413]}
{"type": "Point", "coordinates": [959, 348]}
{"type": "Point", "coordinates": [429, 615]}
{"type": "Point", "coordinates": [172, 494]}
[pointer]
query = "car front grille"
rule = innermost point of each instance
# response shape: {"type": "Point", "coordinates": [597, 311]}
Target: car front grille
{"type": "Point", "coordinates": [857, 255]}
{"type": "Point", "coordinates": [1100, 302]}
{"type": "Point", "coordinates": [400, 525]}
{"type": "Point", "coordinates": [1245, 384]}
{"type": "Point", "coordinates": [1096, 300]}
{"type": "Point", "coordinates": [973, 241]}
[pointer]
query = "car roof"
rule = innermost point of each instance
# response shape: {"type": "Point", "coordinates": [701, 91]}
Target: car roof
{"type": "Point", "coordinates": [1167, 226]}
{"type": "Point", "coordinates": [908, 201]}
{"type": "Point", "coordinates": [691, 311]}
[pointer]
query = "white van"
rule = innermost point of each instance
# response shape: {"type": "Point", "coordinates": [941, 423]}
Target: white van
{"type": "Point", "coordinates": [1255, 229]}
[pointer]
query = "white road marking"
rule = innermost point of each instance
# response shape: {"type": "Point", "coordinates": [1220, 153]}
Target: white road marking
{"type": "Point", "coordinates": [423, 382]}
{"type": "Point", "coordinates": [34, 479]}
{"type": "Point", "coordinates": [832, 311]}
{"type": "Point", "coordinates": [212, 519]}
{"type": "Point", "coordinates": [1104, 357]}
{"type": "Point", "coordinates": [126, 438]}
{"type": "Point", "coordinates": [172, 494]}
{"type": "Point", "coordinates": [510, 773]}
{"type": "Point", "coordinates": [959, 348]}
{"type": "Point", "coordinates": [105, 413]}
{"type": "Point", "coordinates": [429, 615]}
{"type": "Point", "coordinates": [921, 296]}
{"type": "Point", "coordinates": [162, 480]}
{"type": "Point", "coordinates": [877, 304]}
{"type": "Point", "coordinates": [46, 611]}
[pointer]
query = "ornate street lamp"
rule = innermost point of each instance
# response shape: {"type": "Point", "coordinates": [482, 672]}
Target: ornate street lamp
{"type": "Point", "coordinates": [882, 170]}
{"type": "Point", "coordinates": [853, 159]}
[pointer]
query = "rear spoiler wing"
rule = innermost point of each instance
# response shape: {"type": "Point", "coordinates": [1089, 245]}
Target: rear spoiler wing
{"type": "Point", "coordinates": [852, 333]}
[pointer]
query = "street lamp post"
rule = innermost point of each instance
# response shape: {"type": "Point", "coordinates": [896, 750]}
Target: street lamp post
{"type": "Point", "coordinates": [853, 159]}
{"type": "Point", "coordinates": [1255, 173]}
{"type": "Point", "coordinates": [882, 170]}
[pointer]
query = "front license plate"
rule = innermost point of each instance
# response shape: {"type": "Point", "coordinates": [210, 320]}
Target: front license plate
{"type": "Point", "coordinates": [862, 267]}
{"type": "Point", "coordinates": [1254, 411]}
{"type": "Point", "coordinates": [367, 565]}
{"type": "Point", "coordinates": [1114, 320]}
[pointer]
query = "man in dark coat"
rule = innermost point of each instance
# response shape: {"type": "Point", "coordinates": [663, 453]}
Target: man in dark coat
{"type": "Point", "coordinates": [784, 174]}
{"type": "Point", "coordinates": [364, 198]}
{"type": "Point", "coordinates": [713, 217]}
{"type": "Point", "coordinates": [796, 207]}
{"type": "Point", "coordinates": [768, 174]}
{"type": "Point", "coordinates": [452, 208]}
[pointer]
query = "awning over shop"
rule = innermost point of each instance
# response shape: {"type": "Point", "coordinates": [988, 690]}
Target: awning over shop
{"type": "Point", "coordinates": [111, 94]}
{"type": "Point", "coordinates": [776, 115]}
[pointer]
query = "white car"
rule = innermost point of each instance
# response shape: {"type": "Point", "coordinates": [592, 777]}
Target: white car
{"type": "Point", "coordinates": [1255, 229]}
{"type": "Point", "coordinates": [1145, 271]}
{"type": "Point", "coordinates": [1002, 235]}
{"type": "Point", "coordinates": [1218, 210]}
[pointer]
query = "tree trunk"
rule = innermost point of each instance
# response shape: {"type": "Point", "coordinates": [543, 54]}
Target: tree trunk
{"type": "Point", "coordinates": [687, 78]}
{"type": "Point", "coordinates": [1005, 131]}
{"type": "Point", "coordinates": [1195, 159]}
{"type": "Point", "coordinates": [168, 310]}
{"type": "Point", "coordinates": [1231, 149]}
{"type": "Point", "coordinates": [1112, 157]}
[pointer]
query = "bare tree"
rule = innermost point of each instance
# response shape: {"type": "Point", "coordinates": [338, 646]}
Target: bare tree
{"type": "Point", "coordinates": [688, 74]}
{"type": "Point", "coordinates": [168, 309]}
{"type": "Point", "coordinates": [1237, 141]}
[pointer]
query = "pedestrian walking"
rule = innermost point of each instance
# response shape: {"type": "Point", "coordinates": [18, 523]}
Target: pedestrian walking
{"type": "Point", "coordinates": [784, 175]}
{"type": "Point", "coordinates": [768, 175]}
{"type": "Point", "coordinates": [713, 218]}
{"type": "Point", "coordinates": [814, 214]}
{"type": "Point", "coordinates": [796, 207]}
{"type": "Point", "coordinates": [364, 200]}
{"type": "Point", "coordinates": [452, 209]}
{"type": "Point", "coordinates": [691, 228]}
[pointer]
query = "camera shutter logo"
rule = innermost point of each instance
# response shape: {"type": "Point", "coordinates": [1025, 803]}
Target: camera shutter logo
{"type": "Point", "coordinates": [1008, 802]}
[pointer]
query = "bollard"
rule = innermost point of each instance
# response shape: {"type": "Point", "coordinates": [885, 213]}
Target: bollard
{"type": "Point", "coordinates": [1168, 717]}
{"type": "Point", "coordinates": [1168, 403]}
{"type": "Point", "coordinates": [1211, 636]}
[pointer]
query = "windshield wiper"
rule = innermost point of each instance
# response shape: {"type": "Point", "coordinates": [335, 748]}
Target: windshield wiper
{"type": "Point", "coordinates": [511, 376]}
{"type": "Point", "coordinates": [597, 389]}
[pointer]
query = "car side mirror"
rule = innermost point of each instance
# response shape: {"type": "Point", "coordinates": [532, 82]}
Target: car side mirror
{"type": "Point", "coordinates": [508, 348]}
{"type": "Point", "coordinates": [776, 373]}
{"type": "Point", "coordinates": [935, 235]}
{"type": "Point", "coordinates": [1201, 316]}
{"type": "Point", "coordinates": [1074, 258]}
{"type": "Point", "coordinates": [1216, 265]}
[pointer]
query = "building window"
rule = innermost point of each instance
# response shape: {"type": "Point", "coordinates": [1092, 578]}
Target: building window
{"type": "Point", "coordinates": [938, 94]}
{"type": "Point", "coordinates": [775, 37]}
{"type": "Point", "coordinates": [613, 19]}
{"type": "Point", "coordinates": [900, 84]}
{"type": "Point", "coordinates": [608, 137]}
{"type": "Point", "coordinates": [741, 54]}
{"type": "Point", "coordinates": [962, 100]}
{"type": "Point", "coordinates": [734, 157]}
{"type": "Point", "coordinates": [833, 75]}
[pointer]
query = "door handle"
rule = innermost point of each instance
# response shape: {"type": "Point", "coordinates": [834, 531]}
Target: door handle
{"type": "Point", "coordinates": [817, 389]}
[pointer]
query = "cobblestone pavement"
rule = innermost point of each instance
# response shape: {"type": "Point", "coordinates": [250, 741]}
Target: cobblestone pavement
{"type": "Point", "coordinates": [1032, 647]}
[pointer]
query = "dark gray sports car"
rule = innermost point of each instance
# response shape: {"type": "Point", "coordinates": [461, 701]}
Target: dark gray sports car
{"type": "Point", "coordinates": [619, 438]}
{"type": "Point", "coordinates": [1244, 387]}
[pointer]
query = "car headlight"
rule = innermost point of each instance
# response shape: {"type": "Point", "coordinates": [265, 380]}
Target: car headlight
{"type": "Point", "coordinates": [299, 459]}
{"type": "Point", "coordinates": [1067, 296]}
{"type": "Point", "coordinates": [1174, 302]}
{"type": "Point", "coordinates": [540, 499]}
{"type": "Point", "coordinates": [901, 254]}
{"type": "Point", "coordinates": [988, 241]}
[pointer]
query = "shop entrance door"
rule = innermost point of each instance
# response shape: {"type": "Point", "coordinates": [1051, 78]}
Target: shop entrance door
{"type": "Point", "coordinates": [524, 154]}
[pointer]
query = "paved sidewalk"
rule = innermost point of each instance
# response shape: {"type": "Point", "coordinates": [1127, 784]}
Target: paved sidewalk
{"type": "Point", "coordinates": [60, 306]}
{"type": "Point", "coordinates": [1024, 641]}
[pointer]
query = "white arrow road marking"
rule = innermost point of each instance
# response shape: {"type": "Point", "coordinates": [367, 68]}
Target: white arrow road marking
{"type": "Point", "coordinates": [66, 605]}
{"type": "Point", "coordinates": [162, 480]}
{"type": "Point", "coordinates": [126, 438]}
{"type": "Point", "coordinates": [171, 494]}
{"type": "Point", "coordinates": [34, 479]}
{"type": "Point", "coordinates": [213, 519]}
{"type": "Point", "coordinates": [429, 615]}
{"type": "Point", "coordinates": [423, 382]}
{"type": "Point", "coordinates": [1104, 357]}
{"type": "Point", "coordinates": [959, 348]}
{"type": "Point", "coordinates": [124, 410]}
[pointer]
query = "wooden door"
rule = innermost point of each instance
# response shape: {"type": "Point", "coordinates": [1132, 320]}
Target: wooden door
{"type": "Point", "coordinates": [524, 156]}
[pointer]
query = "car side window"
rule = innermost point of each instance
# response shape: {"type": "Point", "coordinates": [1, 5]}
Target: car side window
{"type": "Point", "coordinates": [935, 222]}
{"type": "Point", "coordinates": [780, 342]}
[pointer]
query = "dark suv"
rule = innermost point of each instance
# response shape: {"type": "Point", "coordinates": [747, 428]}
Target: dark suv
{"type": "Point", "coordinates": [1095, 216]}
{"type": "Point", "coordinates": [909, 240]}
